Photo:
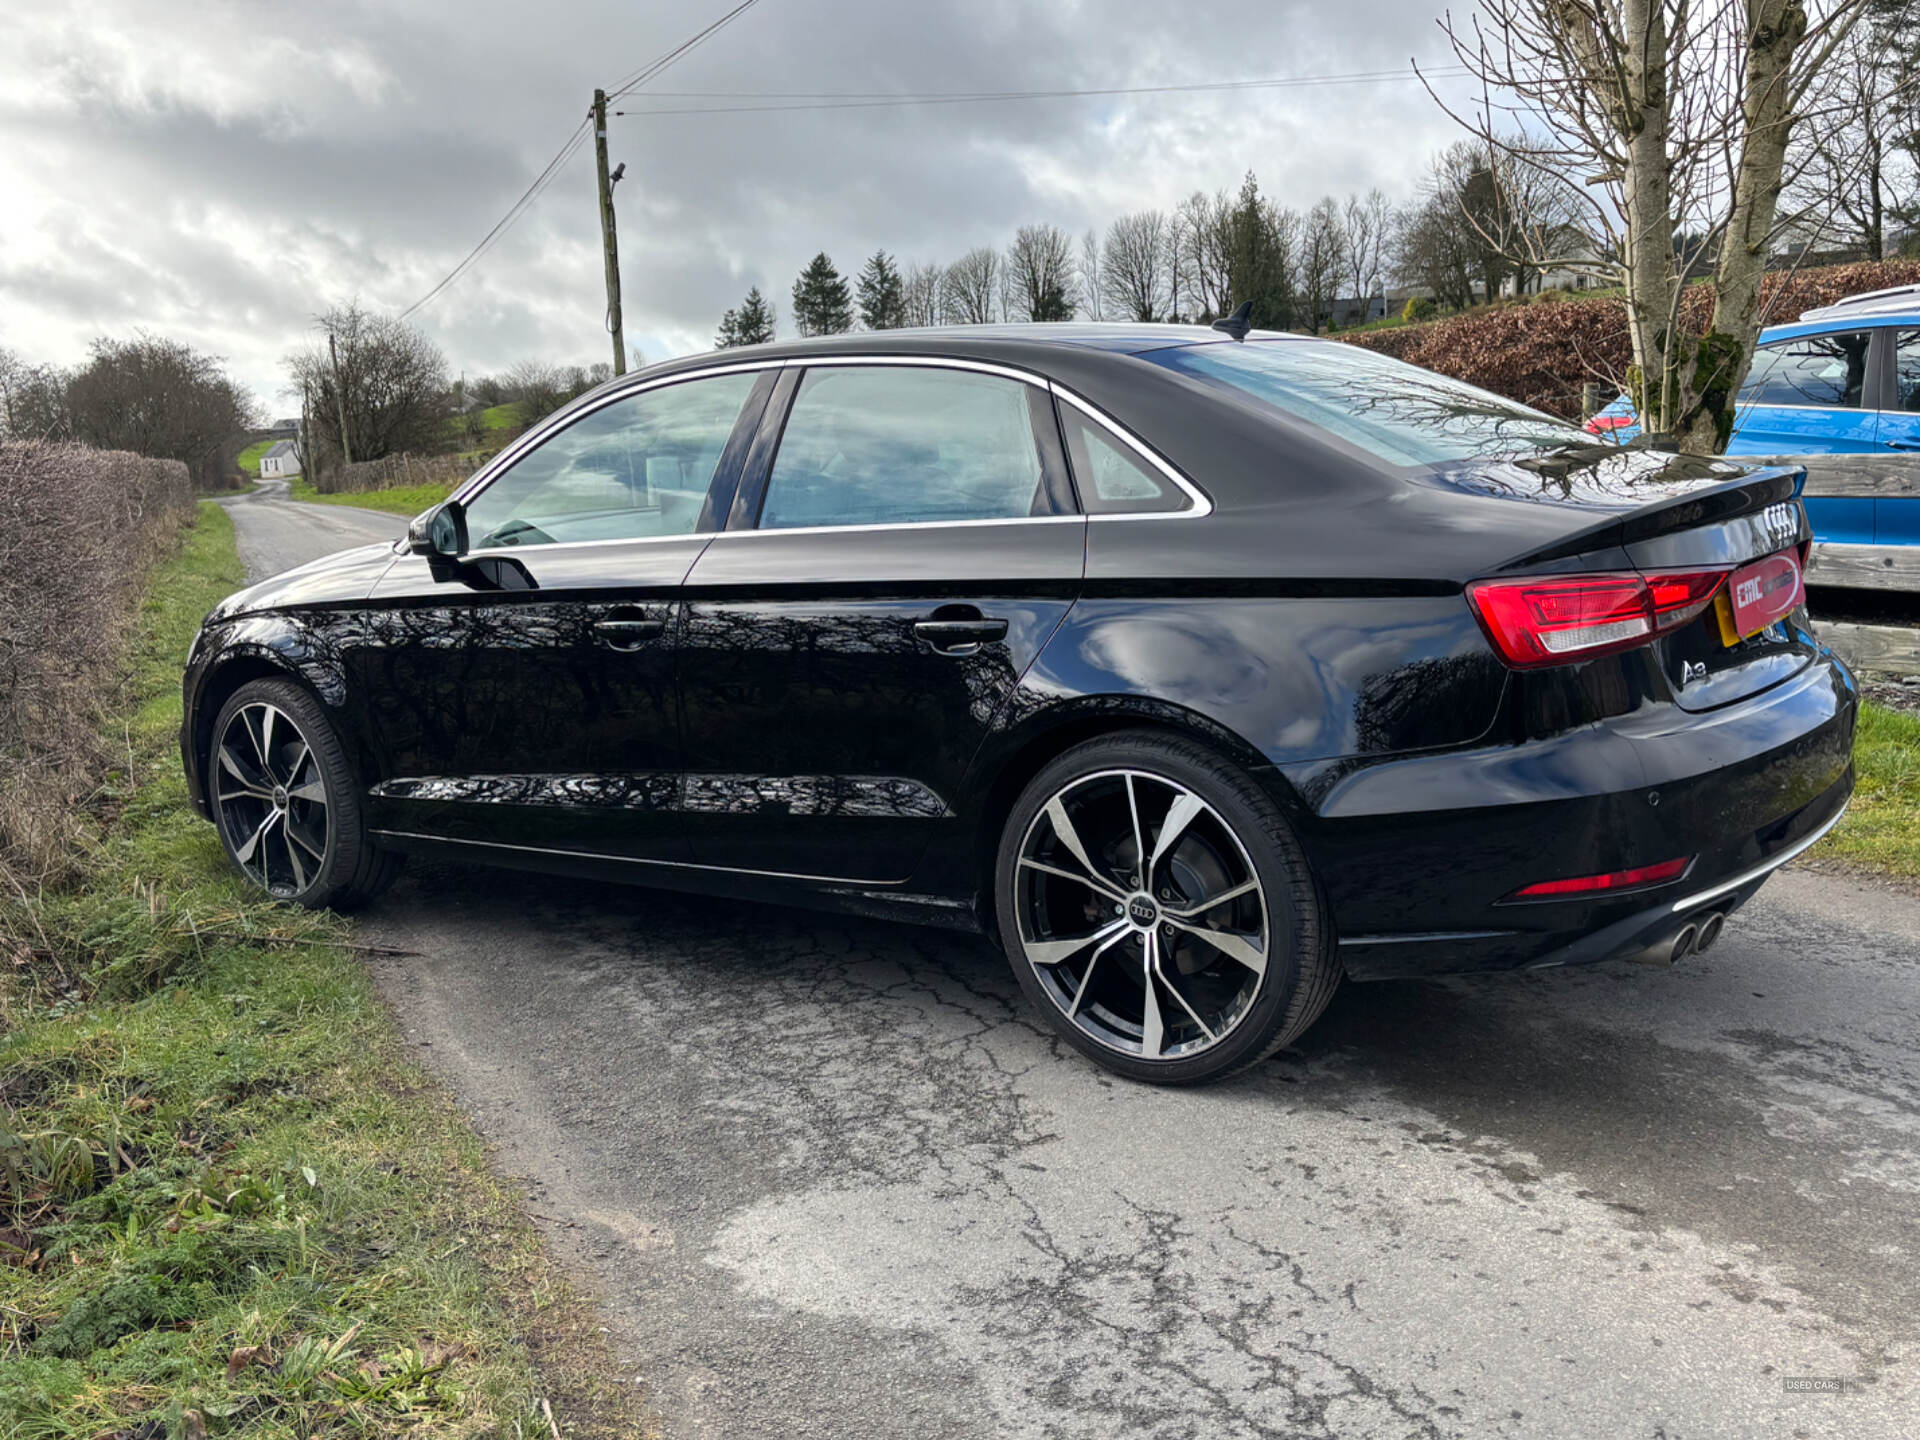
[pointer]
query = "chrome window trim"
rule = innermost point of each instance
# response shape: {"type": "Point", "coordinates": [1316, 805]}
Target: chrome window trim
{"type": "Point", "coordinates": [492, 470]}
{"type": "Point", "coordinates": [1199, 506]}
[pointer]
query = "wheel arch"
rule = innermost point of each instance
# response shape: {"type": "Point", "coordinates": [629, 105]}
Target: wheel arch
{"type": "Point", "coordinates": [256, 658]}
{"type": "Point", "coordinates": [1022, 753]}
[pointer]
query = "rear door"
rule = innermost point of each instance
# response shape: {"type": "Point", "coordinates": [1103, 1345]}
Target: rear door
{"type": "Point", "coordinates": [526, 696]}
{"type": "Point", "coordinates": [900, 549]}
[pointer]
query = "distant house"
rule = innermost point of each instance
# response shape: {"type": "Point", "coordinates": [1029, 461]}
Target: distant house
{"type": "Point", "coordinates": [282, 458]}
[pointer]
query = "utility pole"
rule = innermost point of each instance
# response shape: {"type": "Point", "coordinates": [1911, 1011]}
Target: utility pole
{"type": "Point", "coordinates": [340, 392]}
{"type": "Point", "coordinates": [609, 242]}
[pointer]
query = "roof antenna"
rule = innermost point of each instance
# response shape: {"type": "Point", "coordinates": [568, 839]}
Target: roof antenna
{"type": "Point", "coordinates": [1239, 322]}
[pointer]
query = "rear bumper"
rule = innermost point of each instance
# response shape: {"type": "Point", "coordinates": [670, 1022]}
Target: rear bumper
{"type": "Point", "coordinates": [1419, 888]}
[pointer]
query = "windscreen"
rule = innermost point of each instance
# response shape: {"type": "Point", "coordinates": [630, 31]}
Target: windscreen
{"type": "Point", "coordinates": [1405, 415]}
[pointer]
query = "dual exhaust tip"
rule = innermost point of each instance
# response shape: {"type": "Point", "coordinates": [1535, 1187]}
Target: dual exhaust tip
{"type": "Point", "coordinates": [1696, 937]}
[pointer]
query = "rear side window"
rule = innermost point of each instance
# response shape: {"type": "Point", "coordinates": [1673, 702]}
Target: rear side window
{"type": "Point", "coordinates": [1110, 477]}
{"type": "Point", "coordinates": [1906, 372]}
{"type": "Point", "coordinates": [1823, 370]}
{"type": "Point", "coordinates": [898, 445]}
{"type": "Point", "coordinates": [635, 469]}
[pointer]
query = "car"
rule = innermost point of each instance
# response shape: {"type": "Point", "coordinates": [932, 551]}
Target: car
{"type": "Point", "coordinates": [1843, 380]}
{"type": "Point", "coordinates": [1199, 669]}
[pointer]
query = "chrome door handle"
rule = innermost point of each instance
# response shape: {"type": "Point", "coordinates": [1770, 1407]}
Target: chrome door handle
{"type": "Point", "coordinates": [959, 637]}
{"type": "Point", "coordinates": [1903, 444]}
{"type": "Point", "coordinates": [628, 634]}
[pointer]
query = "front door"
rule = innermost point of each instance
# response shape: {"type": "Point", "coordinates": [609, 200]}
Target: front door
{"type": "Point", "coordinates": [888, 576]}
{"type": "Point", "coordinates": [1808, 396]}
{"type": "Point", "coordinates": [527, 695]}
{"type": "Point", "coordinates": [1897, 516]}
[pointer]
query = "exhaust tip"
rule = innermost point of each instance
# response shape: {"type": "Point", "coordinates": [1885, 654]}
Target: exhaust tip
{"type": "Point", "coordinates": [1709, 932]}
{"type": "Point", "coordinates": [1683, 944]}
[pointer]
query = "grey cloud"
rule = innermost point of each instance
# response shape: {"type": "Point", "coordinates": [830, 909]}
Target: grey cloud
{"type": "Point", "coordinates": [164, 170]}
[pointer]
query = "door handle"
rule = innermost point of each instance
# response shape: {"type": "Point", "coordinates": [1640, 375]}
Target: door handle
{"type": "Point", "coordinates": [959, 637]}
{"type": "Point", "coordinates": [1903, 444]}
{"type": "Point", "coordinates": [628, 634]}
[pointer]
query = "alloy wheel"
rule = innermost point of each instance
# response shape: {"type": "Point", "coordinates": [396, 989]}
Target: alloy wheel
{"type": "Point", "coordinates": [271, 799]}
{"type": "Point", "coordinates": [1141, 914]}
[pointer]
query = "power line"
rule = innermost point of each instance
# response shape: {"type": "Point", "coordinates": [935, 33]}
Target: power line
{"type": "Point", "coordinates": [569, 148]}
{"type": "Point", "coordinates": [519, 208]}
{"type": "Point", "coordinates": [646, 72]}
{"type": "Point", "coordinates": [877, 100]}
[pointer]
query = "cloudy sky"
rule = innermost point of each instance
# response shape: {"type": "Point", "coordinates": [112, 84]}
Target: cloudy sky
{"type": "Point", "coordinates": [222, 171]}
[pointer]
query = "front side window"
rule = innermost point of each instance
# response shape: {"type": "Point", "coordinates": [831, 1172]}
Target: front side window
{"type": "Point", "coordinates": [897, 445]}
{"type": "Point", "coordinates": [1824, 370]}
{"type": "Point", "coordinates": [635, 469]}
{"type": "Point", "coordinates": [1906, 372]}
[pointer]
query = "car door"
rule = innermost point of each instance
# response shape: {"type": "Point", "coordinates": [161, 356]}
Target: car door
{"type": "Point", "coordinates": [1808, 395]}
{"type": "Point", "coordinates": [904, 543]}
{"type": "Point", "coordinates": [1896, 518]}
{"type": "Point", "coordinates": [525, 696]}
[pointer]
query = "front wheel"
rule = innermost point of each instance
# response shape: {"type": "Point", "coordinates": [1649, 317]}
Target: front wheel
{"type": "Point", "coordinates": [1157, 908]}
{"type": "Point", "coordinates": [286, 801]}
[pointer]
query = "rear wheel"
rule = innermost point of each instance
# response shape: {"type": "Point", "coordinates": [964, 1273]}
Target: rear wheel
{"type": "Point", "coordinates": [1158, 909]}
{"type": "Point", "coordinates": [287, 803]}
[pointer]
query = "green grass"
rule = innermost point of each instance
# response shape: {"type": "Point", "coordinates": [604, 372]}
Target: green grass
{"type": "Point", "coordinates": [406, 500]}
{"type": "Point", "coordinates": [229, 1201]}
{"type": "Point", "coordinates": [1882, 828]}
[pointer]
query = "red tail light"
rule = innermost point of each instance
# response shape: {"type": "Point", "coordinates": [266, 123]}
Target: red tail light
{"type": "Point", "coordinates": [1634, 879]}
{"type": "Point", "coordinates": [1557, 619]}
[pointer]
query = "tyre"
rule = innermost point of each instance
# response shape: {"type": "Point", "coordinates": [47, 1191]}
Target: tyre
{"type": "Point", "coordinates": [287, 802]}
{"type": "Point", "coordinates": [1205, 959]}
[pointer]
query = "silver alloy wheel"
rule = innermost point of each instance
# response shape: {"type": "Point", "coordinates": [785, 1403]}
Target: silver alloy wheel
{"type": "Point", "coordinates": [1159, 960]}
{"type": "Point", "coordinates": [271, 799]}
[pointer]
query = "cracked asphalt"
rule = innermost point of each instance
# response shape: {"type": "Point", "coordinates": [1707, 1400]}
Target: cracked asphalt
{"type": "Point", "coordinates": [829, 1177]}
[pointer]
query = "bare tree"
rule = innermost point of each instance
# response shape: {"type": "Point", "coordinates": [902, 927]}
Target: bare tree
{"type": "Point", "coordinates": [390, 381]}
{"type": "Point", "coordinates": [1323, 259]}
{"type": "Point", "coordinates": [1092, 301]}
{"type": "Point", "coordinates": [1368, 223]}
{"type": "Point", "coordinates": [922, 295]}
{"type": "Point", "coordinates": [1856, 165]}
{"type": "Point", "coordinates": [1206, 227]}
{"type": "Point", "coordinates": [1133, 265]}
{"type": "Point", "coordinates": [1039, 273]}
{"type": "Point", "coordinates": [1677, 115]}
{"type": "Point", "coordinates": [155, 397]}
{"type": "Point", "coordinates": [970, 288]}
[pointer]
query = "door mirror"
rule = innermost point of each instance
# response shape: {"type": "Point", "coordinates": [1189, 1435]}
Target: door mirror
{"type": "Point", "coordinates": [440, 532]}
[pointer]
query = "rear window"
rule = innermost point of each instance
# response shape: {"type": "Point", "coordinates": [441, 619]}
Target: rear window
{"type": "Point", "coordinates": [1405, 415]}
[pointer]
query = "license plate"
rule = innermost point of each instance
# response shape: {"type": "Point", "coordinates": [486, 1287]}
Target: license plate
{"type": "Point", "coordinates": [1757, 595]}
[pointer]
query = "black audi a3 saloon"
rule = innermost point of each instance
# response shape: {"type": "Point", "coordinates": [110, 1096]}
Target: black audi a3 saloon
{"type": "Point", "coordinates": [1196, 668]}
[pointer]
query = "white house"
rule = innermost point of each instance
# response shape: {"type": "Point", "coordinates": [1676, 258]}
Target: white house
{"type": "Point", "coordinates": [281, 459]}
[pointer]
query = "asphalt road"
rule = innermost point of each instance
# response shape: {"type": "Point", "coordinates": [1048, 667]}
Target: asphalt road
{"type": "Point", "coordinates": [276, 533]}
{"type": "Point", "coordinates": [830, 1178]}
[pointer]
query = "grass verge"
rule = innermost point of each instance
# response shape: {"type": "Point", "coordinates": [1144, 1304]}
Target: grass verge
{"type": "Point", "coordinates": [1882, 828]}
{"type": "Point", "coordinates": [229, 1202]}
{"type": "Point", "coordinates": [406, 500]}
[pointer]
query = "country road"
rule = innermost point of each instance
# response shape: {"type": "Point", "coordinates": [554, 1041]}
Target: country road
{"type": "Point", "coordinates": [276, 533]}
{"type": "Point", "coordinates": [830, 1178]}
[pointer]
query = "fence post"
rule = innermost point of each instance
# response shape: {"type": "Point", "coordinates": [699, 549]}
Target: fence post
{"type": "Point", "coordinates": [1590, 402]}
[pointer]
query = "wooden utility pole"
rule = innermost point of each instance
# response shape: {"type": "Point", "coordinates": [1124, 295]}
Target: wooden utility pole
{"type": "Point", "coordinates": [340, 396]}
{"type": "Point", "coordinates": [609, 242]}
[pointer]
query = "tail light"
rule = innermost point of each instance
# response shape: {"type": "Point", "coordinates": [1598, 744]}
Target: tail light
{"type": "Point", "coordinates": [1553, 620]}
{"type": "Point", "coordinates": [1637, 878]}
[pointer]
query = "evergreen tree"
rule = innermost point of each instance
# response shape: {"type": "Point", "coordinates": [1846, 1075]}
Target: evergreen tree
{"type": "Point", "coordinates": [821, 302]}
{"type": "Point", "coordinates": [751, 324]}
{"type": "Point", "coordinates": [883, 297]}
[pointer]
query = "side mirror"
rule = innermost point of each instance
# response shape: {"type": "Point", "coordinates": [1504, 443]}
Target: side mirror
{"type": "Point", "coordinates": [440, 532]}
